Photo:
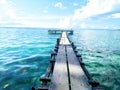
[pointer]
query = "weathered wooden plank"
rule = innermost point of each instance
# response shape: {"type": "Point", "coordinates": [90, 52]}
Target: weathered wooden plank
{"type": "Point", "coordinates": [77, 76]}
{"type": "Point", "coordinates": [64, 39]}
{"type": "Point", "coordinates": [59, 78]}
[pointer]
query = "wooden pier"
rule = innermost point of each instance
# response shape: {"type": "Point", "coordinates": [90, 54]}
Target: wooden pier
{"type": "Point", "coordinates": [66, 70]}
{"type": "Point", "coordinates": [60, 31]}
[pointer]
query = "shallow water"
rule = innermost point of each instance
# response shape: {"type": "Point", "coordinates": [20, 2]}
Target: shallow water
{"type": "Point", "coordinates": [25, 54]}
{"type": "Point", "coordinates": [101, 53]}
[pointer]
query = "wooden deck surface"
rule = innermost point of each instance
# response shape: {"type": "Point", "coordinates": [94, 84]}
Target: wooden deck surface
{"type": "Point", "coordinates": [77, 76]}
{"type": "Point", "coordinates": [64, 39]}
{"type": "Point", "coordinates": [60, 76]}
{"type": "Point", "coordinates": [68, 74]}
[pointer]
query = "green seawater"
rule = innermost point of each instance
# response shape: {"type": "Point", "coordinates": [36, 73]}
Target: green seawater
{"type": "Point", "coordinates": [25, 55]}
{"type": "Point", "coordinates": [100, 50]}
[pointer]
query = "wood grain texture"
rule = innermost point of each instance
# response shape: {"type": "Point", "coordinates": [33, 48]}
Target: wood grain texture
{"type": "Point", "coordinates": [77, 76]}
{"type": "Point", "coordinates": [60, 78]}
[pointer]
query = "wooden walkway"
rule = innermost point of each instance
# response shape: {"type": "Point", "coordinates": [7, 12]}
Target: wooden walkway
{"type": "Point", "coordinates": [67, 74]}
{"type": "Point", "coordinates": [64, 39]}
{"type": "Point", "coordinates": [66, 70]}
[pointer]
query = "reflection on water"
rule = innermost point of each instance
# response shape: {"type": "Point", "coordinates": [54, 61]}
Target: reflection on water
{"type": "Point", "coordinates": [101, 53]}
{"type": "Point", "coordinates": [25, 54]}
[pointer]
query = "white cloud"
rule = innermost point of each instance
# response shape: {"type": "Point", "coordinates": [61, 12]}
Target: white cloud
{"type": "Point", "coordinates": [83, 25]}
{"type": "Point", "coordinates": [45, 11]}
{"type": "Point", "coordinates": [64, 23]}
{"type": "Point", "coordinates": [3, 1]}
{"type": "Point", "coordinates": [116, 15]}
{"type": "Point", "coordinates": [100, 11]}
{"type": "Point", "coordinates": [10, 15]}
{"type": "Point", "coordinates": [7, 10]}
{"type": "Point", "coordinates": [59, 5]}
{"type": "Point", "coordinates": [29, 23]}
{"type": "Point", "coordinates": [0, 18]}
{"type": "Point", "coordinates": [97, 7]}
{"type": "Point", "coordinates": [75, 4]}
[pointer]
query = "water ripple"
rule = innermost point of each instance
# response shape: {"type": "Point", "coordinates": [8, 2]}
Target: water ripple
{"type": "Point", "coordinates": [25, 54]}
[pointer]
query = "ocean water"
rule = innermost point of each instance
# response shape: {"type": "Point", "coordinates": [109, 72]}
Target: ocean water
{"type": "Point", "coordinates": [25, 54]}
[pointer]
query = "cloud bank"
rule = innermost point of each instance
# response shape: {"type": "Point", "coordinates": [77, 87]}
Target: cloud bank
{"type": "Point", "coordinates": [95, 14]}
{"type": "Point", "coordinates": [97, 7]}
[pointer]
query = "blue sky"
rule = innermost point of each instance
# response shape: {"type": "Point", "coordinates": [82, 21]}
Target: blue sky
{"type": "Point", "coordinates": [103, 14]}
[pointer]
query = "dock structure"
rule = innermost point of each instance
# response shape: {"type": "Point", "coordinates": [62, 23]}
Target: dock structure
{"type": "Point", "coordinates": [66, 70]}
{"type": "Point", "coordinates": [60, 31]}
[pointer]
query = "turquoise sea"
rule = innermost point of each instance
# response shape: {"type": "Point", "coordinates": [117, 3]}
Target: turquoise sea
{"type": "Point", "coordinates": [25, 55]}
